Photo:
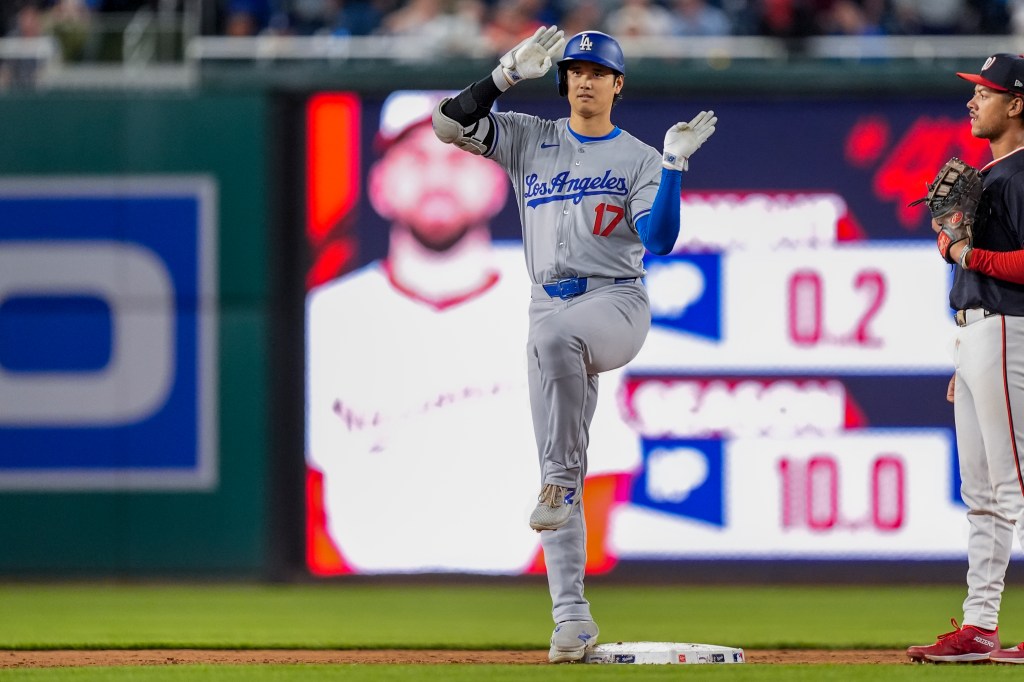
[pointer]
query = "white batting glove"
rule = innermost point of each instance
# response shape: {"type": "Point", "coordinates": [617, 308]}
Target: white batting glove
{"type": "Point", "coordinates": [530, 58]}
{"type": "Point", "coordinates": [683, 139]}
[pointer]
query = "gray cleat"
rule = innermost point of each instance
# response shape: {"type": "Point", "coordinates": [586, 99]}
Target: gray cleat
{"type": "Point", "coordinates": [554, 507]}
{"type": "Point", "coordinates": [571, 640]}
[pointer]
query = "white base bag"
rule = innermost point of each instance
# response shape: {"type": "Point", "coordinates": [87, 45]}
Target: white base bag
{"type": "Point", "coordinates": [639, 653]}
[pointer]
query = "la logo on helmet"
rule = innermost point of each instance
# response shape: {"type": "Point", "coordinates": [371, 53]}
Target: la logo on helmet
{"type": "Point", "coordinates": [585, 43]}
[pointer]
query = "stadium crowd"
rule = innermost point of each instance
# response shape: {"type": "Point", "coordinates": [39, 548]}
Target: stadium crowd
{"type": "Point", "coordinates": [505, 22]}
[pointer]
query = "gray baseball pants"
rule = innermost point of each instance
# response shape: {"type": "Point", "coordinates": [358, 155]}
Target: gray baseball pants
{"type": "Point", "coordinates": [570, 343]}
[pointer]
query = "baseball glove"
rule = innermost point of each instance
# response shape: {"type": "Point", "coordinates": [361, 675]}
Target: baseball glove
{"type": "Point", "coordinates": [953, 198]}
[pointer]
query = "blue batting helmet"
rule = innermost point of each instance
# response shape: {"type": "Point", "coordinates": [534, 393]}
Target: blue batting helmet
{"type": "Point", "coordinates": [590, 46]}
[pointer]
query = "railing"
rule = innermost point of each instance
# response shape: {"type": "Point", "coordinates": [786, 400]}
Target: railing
{"type": "Point", "coordinates": [920, 48]}
{"type": "Point", "coordinates": [162, 50]}
{"type": "Point", "coordinates": [290, 48]}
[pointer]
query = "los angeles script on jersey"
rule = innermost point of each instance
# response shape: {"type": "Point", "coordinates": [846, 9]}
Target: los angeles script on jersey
{"type": "Point", "coordinates": [563, 188]}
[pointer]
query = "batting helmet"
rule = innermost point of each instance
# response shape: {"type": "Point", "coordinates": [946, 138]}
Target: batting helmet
{"type": "Point", "coordinates": [590, 46]}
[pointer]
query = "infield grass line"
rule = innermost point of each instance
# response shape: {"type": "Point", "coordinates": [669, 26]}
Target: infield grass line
{"type": "Point", "coordinates": [339, 615]}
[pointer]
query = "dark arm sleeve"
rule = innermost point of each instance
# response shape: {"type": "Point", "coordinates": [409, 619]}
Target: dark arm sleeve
{"type": "Point", "coordinates": [473, 103]}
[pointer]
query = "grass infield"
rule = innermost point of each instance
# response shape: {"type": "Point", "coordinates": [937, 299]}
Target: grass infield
{"type": "Point", "coordinates": [507, 616]}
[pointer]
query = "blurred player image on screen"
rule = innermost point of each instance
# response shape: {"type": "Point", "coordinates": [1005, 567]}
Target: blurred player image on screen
{"type": "Point", "coordinates": [987, 388]}
{"type": "Point", "coordinates": [592, 200]}
{"type": "Point", "coordinates": [416, 391]}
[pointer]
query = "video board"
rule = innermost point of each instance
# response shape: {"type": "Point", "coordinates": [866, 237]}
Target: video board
{"type": "Point", "coordinates": [789, 401]}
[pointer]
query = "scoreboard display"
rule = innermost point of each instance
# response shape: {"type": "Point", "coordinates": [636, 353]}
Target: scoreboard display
{"type": "Point", "coordinates": [789, 401]}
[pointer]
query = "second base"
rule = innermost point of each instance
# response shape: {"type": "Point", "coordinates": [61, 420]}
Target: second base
{"type": "Point", "coordinates": [662, 652]}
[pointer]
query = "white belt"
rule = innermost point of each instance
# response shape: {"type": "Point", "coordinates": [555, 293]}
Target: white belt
{"type": "Point", "coordinates": [972, 315]}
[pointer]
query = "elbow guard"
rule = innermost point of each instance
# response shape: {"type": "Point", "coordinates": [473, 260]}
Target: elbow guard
{"type": "Point", "coordinates": [446, 128]}
{"type": "Point", "coordinates": [475, 139]}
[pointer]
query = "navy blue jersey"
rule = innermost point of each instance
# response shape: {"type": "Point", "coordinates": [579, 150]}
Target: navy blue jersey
{"type": "Point", "coordinates": [999, 227]}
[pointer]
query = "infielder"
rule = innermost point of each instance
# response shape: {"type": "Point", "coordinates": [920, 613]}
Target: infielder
{"type": "Point", "coordinates": [591, 198]}
{"type": "Point", "coordinates": [987, 388]}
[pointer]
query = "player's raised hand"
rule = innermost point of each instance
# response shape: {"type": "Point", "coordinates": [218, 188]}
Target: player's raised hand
{"type": "Point", "coordinates": [532, 58]}
{"type": "Point", "coordinates": [683, 139]}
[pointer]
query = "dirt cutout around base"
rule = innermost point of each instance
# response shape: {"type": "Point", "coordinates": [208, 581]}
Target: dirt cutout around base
{"type": "Point", "coordinates": [68, 659]}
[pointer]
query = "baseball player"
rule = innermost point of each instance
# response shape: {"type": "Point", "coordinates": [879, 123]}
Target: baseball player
{"type": "Point", "coordinates": [591, 198]}
{"type": "Point", "coordinates": [987, 388]}
{"type": "Point", "coordinates": [404, 349]}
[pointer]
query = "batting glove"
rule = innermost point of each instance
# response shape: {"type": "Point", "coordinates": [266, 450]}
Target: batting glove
{"type": "Point", "coordinates": [530, 58]}
{"type": "Point", "coordinates": [683, 139]}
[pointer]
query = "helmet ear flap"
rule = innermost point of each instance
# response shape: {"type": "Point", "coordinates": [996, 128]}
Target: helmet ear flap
{"type": "Point", "coordinates": [561, 74]}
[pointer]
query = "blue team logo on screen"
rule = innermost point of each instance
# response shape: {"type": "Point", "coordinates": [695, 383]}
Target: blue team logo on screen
{"type": "Point", "coordinates": [107, 333]}
{"type": "Point", "coordinates": [685, 292]}
{"type": "Point", "coordinates": [682, 477]}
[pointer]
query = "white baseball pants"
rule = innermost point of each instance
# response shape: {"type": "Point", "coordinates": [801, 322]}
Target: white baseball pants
{"type": "Point", "coordinates": [988, 405]}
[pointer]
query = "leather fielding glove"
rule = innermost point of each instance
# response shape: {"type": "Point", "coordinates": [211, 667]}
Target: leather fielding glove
{"type": "Point", "coordinates": [953, 198]}
{"type": "Point", "coordinates": [683, 139]}
{"type": "Point", "coordinates": [531, 58]}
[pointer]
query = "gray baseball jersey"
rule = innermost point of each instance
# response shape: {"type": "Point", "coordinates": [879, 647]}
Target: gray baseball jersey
{"type": "Point", "coordinates": [578, 202]}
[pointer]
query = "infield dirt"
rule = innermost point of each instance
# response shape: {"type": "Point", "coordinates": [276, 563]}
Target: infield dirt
{"type": "Point", "coordinates": [45, 659]}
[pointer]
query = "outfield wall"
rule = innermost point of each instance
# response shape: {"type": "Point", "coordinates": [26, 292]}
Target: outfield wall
{"type": "Point", "coordinates": [160, 251]}
{"type": "Point", "coordinates": [173, 185]}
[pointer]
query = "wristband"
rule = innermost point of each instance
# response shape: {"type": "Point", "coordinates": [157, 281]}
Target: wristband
{"type": "Point", "coordinates": [674, 162]}
{"type": "Point", "coordinates": [500, 78]}
{"type": "Point", "coordinates": [963, 256]}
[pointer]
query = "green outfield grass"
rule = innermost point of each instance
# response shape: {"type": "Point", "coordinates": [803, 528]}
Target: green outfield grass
{"type": "Point", "coordinates": [481, 616]}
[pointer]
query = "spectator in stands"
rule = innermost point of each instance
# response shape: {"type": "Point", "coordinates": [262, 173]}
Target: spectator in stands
{"type": "Point", "coordinates": [306, 17]}
{"type": "Point", "coordinates": [71, 22]}
{"type": "Point", "coordinates": [338, 17]}
{"type": "Point", "coordinates": [852, 18]}
{"type": "Point", "coordinates": [877, 14]}
{"type": "Point", "coordinates": [440, 27]}
{"type": "Point", "coordinates": [507, 22]}
{"type": "Point", "coordinates": [743, 15]}
{"type": "Point", "coordinates": [1017, 17]}
{"type": "Point", "coordinates": [549, 12]}
{"type": "Point", "coordinates": [8, 12]}
{"type": "Point", "coordinates": [411, 17]}
{"type": "Point", "coordinates": [994, 16]}
{"type": "Point", "coordinates": [511, 22]}
{"type": "Point", "coordinates": [580, 15]}
{"type": "Point", "coordinates": [458, 29]}
{"type": "Point", "coordinates": [934, 17]}
{"type": "Point", "coordinates": [792, 20]}
{"type": "Point", "coordinates": [127, 6]}
{"type": "Point", "coordinates": [28, 22]}
{"type": "Point", "coordinates": [699, 18]}
{"type": "Point", "coordinates": [639, 18]}
{"type": "Point", "coordinates": [361, 17]}
{"type": "Point", "coordinates": [248, 17]}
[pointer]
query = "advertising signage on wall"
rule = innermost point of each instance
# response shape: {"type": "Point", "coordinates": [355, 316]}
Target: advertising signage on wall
{"type": "Point", "coordinates": [108, 333]}
{"type": "Point", "coordinates": [789, 401]}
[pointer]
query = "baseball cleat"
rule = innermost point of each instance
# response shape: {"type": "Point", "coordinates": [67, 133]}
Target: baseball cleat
{"type": "Point", "coordinates": [1014, 655]}
{"type": "Point", "coordinates": [554, 507]}
{"type": "Point", "coordinates": [963, 645]}
{"type": "Point", "coordinates": [571, 640]}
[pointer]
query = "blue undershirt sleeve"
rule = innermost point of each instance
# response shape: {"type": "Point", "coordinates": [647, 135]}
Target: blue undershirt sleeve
{"type": "Point", "coordinates": [659, 229]}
